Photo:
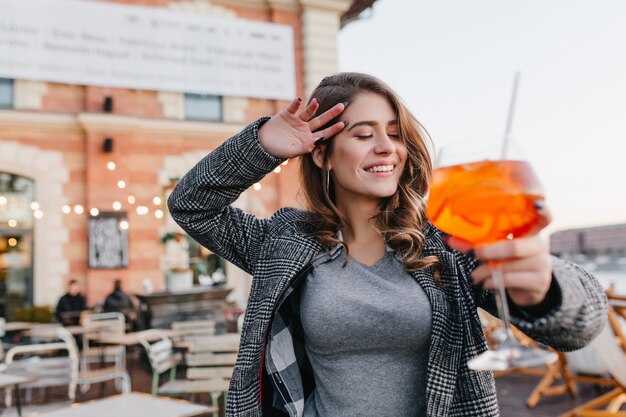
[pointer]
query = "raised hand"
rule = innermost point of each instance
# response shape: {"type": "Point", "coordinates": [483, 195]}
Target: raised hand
{"type": "Point", "coordinates": [292, 132]}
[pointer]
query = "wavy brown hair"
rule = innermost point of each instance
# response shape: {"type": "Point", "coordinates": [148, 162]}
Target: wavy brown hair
{"type": "Point", "coordinates": [401, 217]}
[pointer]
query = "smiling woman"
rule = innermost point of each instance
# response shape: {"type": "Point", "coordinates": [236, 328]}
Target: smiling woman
{"type": "Point", "coordinates": [358, 305]}
{"type": "Point", "coordinates": [355, 169]}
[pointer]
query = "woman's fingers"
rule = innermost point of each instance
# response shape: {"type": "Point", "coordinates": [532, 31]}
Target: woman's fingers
{"type": "Point", "coordinates": [545, 217]}
{"type": "Point", "coordinates": [514, 248]}
{"type": "Point", "coordinates": [329, 132]}
{"type": "Point", "coordinates": [326, 117]}
{"type": "Point", "coordinates": [294, 106]}
{"type": "Point", "coordinates": [310, 110]}
{"type": "Point", "coordinates": [533, 264]}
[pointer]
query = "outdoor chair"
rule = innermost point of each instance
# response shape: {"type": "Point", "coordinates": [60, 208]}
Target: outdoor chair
{"type": "Point", "coordinates": [581, 366]}
{"type": "Point", "coordinates": [162, 358]}
{"type": "Point", "coordinates": [56, 364]}
{"type": "Point", "coordinates": [608, 350]}
{"type": "Point", "coordinates": [189, 330]}
{"type": "Point", "coordinates": [105, 324]}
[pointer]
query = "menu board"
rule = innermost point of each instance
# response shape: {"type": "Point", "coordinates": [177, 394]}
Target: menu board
{"type": "Point", "coordinates": [113, 45]}
{"type": "Point", "coordinates": [108, 241]}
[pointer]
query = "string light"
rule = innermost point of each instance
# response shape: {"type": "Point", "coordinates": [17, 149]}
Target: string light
{"type": "Point", "coordinates": [124, 225]}
{"type": "Point", "coordinates": [158, 214]}
{"type": "Point", "coordinates": [78, 209]}
{"type": "Point", "coordinates": [257, 186]}
{"type": "Point", "coordinates": [12, 242]}
{"type": "Point", "coordinates": [66, 209]}
{"type": "Point", "coordinates": [3, 200]}
{"type": "Point", "coordinates": [117, 205]}
{"type": "Point", "coordinates": [38, 214]}
{"type": "Point", "coordinates": [34, 205]}
{"type": "Point", "coordinates": [12, 222]}
{"type": "Point", "coordinates": [156, 200]}
{"type": "Point", "coordinates": [141, 210]}
{"type": "Point", "coordinates": [94, 212]}
{"type": "Point", "coordinates": [121, 184]}
{"type": "Point", "coordinates": [131, 199]}
{"type": "Point", "coordinates": [277, 170]}
{"type": "Point", "coordinates": [111, 166]}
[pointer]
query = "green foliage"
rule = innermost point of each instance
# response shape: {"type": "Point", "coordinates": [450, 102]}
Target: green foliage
{"type": "Point", "coordinates": [167, 236]}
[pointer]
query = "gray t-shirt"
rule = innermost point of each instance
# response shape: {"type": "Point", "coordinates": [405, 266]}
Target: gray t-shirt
{"type": "Point", "coordinates": [367, 335]}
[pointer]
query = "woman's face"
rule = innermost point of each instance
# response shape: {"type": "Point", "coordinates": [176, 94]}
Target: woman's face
{"type": "Point", "coordinates": [368, 156]}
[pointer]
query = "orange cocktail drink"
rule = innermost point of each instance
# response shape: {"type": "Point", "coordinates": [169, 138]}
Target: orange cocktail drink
{"type": "Point", "coordinates": [485, 201]}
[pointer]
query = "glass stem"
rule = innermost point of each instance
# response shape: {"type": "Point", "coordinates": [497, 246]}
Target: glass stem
{"type": "Point", "coordinates": [501, 301]}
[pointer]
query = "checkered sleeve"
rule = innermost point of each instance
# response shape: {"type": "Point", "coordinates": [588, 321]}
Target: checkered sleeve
{"type": "Point", "coordinates": [579, 314]}
{"type": "Point", "coordinates": [200, 203]}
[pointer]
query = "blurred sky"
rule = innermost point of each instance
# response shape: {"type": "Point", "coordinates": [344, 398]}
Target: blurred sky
{"type": "Point", "coordinates": [453, 63]}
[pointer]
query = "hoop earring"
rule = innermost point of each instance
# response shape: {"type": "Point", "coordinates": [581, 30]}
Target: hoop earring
{"type": "Point", "coordinates": [328, 182]}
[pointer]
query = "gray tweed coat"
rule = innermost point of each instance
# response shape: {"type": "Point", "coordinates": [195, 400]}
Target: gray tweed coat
{"type": "Point", "coordinates": [275, 250]}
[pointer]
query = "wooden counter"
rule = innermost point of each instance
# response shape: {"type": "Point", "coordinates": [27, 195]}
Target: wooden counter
{"type": "Point", "coordinates": [161, 309]}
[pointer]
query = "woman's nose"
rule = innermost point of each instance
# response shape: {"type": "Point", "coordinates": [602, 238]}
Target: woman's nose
{"type": "Point", "coordinates": [384, 144]}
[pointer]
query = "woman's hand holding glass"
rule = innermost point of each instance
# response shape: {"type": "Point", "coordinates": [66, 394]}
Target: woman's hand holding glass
{"type": "Point", "coordinates": [294, 132]}
{"type": "Point", "coordinates": [525, 261]}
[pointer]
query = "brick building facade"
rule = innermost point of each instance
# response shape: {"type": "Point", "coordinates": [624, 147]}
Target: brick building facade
{"type": "Point", "coordinates": [53, 134]}
{"type": "Point", "coordinates": [607, 240]}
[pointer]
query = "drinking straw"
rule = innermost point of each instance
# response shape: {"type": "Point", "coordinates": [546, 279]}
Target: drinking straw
{"type": "Point", "coordinates": [509, 121]}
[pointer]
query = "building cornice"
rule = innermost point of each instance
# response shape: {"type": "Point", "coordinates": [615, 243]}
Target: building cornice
{"type": "Point", "coordinates": [11, 119]}
{"type": "Point", "coordinates": [249, 4]}
{"type": "Point", "coordinates": [109, 123]}
{"type": "Point", "coordinates": [340, 6]}
{"type": "Point", "coordinates": [156, 127]}
{"type": "Point", "coordinates": [288, 5]}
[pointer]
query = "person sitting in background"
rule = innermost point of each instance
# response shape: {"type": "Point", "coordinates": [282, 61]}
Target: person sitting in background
{"type": "Point", "coordinates": [70, 305]}
{"type": "Point", "coordinates": [119, 301]}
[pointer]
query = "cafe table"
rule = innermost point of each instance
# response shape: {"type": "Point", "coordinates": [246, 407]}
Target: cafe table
{"type": "Point", "coordinates": [134, 404]}
{"type": "Point", "coordinates": [8, 380]}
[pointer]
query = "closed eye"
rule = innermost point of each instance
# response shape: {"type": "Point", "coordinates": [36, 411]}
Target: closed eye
{"type": "Point", "coordinates": [364, 136]}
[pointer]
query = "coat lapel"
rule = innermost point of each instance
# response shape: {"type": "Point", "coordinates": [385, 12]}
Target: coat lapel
{"type": "Point", "coordinates": [446, 344]}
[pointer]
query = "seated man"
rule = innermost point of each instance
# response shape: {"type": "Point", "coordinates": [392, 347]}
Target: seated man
{"type": "Point", "coordinates": [71, 305]}
{"type": "Point", "coordinates": [119, 301]}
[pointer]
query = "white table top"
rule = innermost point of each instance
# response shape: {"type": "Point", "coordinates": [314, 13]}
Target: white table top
{"type": "Point", "coordinates": [130, 339]}
{"type": "Point", "coordinates": [133, 405]}
{"type": "Point", "coordinates": [7, 380]}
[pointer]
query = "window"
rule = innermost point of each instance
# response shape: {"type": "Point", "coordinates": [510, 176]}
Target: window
{"type": "Point", "coordinates": [6, 93]}
{"type": "Point", "coordinates": [203, 107]}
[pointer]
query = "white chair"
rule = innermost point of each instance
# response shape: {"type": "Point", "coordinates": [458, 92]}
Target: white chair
{"type": "Point", "coordinates": [163, 358]}
{"type": "Point", "coordinates": [47, 363]}
{"type": "Point", "coordinates": [607, 352]}
{"type": "Point", "coordinates": [105, 324]}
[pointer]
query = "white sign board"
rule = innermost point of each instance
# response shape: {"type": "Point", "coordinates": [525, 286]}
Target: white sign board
{"type": "Point", "coordinates": [112, 45]}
